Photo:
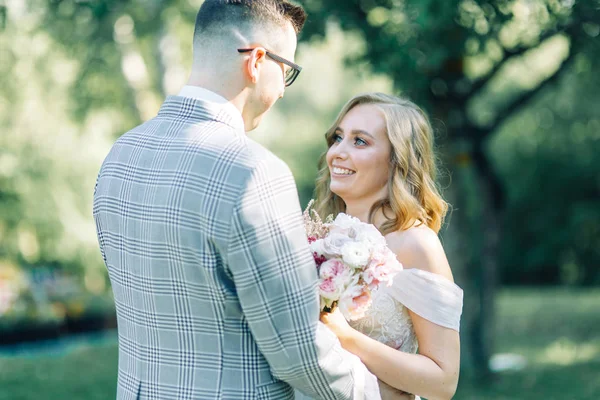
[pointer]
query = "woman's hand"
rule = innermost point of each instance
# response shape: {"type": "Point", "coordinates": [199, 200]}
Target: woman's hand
{"type": "Point", "coordinates": [388, 392]}
{"type": "Point", "coordinates": [337, 323]}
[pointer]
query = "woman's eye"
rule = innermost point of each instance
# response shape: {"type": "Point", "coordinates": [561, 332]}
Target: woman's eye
{"type": "Point", "coordinates": [337, 138]}
{"type": "Point", "coordinates": [360, 142]}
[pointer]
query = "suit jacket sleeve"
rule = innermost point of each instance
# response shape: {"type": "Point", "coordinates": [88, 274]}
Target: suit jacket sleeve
{"type": "Point", "coordinates": [275, 279]}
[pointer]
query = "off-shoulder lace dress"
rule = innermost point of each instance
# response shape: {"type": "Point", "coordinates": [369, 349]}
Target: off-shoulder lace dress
{"type": "Point", "coordinates": [428, 295]}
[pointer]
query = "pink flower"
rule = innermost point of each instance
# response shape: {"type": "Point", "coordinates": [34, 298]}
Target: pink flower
{"type": "Point", "coordinates": [370, 277]}
{"type": "Point", "coordinates": [361, 304]}
{"type": "Point", "coordinates": [343, 275]}
{"type": "Point", "coordinates": [352, 260]}
{"type": "Point", "coordinates": [330, 291]}
{"type": "Point", "coordinates": [331, 268]}
{"type": "Point", "coordinates": [382, 268]}
{"type": "Point", "coordinates": [375, 276]}
{"type": "Point", "coordinates": [355, 302]}
{"type": "Point", "coordinates": [378, 257]}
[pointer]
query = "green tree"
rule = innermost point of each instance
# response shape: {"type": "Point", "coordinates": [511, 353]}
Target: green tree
{"type": "Point", "coordinates": [450, 57]}
{"type": "Point", "coordinates": [474, 65]}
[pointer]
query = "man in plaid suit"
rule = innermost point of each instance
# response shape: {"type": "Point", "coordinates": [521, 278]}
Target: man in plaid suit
{"type": "Point", "coordinates": [200, 229]}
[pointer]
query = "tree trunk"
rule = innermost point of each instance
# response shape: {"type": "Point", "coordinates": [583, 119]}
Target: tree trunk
{"type": "Point", "coordinates": [492, 201]}
{"type": "Point", "coordinates": [485, 270]}
{"type": "Point", "coordinates": [471, 242]}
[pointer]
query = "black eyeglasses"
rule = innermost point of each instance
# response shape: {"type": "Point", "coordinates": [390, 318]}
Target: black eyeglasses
{"type": "Point", "coordinates": [291, 74]}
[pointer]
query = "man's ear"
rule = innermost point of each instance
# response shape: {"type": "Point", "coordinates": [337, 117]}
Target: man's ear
{"type": "Point", "coordinates": [254, 63]}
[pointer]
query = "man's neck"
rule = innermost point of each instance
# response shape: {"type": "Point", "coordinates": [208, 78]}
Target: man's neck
{"type": "Point", "coordinates": [206, 95]}
{"type": "Point", "coordinates": [217, 85]}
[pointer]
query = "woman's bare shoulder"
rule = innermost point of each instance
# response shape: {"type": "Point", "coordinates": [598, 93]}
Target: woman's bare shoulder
{"type": "Point", "coordinates": [420, 247]}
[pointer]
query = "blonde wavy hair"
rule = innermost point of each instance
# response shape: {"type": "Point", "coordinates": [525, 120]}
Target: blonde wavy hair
{"type": "Point", "coordinates": [412, 191]}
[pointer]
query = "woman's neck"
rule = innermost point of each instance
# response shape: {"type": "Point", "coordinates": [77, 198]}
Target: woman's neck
{"type": "Point", "coordinates": [362, 210]}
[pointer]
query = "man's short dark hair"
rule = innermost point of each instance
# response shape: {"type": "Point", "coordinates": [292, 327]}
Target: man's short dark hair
{"type": "Point", "coordinates": [215, 14]}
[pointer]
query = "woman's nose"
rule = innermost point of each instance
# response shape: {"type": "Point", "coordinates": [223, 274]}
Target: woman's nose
{"type": "Point", "coordinates": [341, 150]}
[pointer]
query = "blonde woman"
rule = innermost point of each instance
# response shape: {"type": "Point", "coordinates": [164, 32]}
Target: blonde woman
{"type": "Point", "coordinates": [380, 167]}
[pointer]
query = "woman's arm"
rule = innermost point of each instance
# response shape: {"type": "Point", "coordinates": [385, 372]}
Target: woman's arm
{"type": "Point", "coordinates": [433, 373]}
{"type": "Point", "coordinates": [391, 393]}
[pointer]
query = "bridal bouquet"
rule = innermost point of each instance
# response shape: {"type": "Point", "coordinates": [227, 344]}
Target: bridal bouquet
{"type": "Point", "coordinates": [352, 260]}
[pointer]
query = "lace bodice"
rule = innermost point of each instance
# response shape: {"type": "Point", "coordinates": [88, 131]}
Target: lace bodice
{"type": "Point", "coordinates": [428, 295]}
{"type": "Point", "coordinates": [388, 322]}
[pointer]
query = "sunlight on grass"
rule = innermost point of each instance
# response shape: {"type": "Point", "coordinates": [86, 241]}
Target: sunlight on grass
{"type": "Point", "coordinates": [548, 347]}
{"type": "Point", "coordinates": [566, 352]}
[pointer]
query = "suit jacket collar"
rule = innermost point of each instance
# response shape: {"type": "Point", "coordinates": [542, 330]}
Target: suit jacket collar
{"type": "Point", "coordinates": [195, 109]}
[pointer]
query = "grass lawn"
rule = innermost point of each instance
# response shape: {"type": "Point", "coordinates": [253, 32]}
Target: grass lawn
{"type": "Point", "coordinates": [557, 331]}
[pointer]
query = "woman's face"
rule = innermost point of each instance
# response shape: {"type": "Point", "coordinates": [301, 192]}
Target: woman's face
{"type": "Point", "coordinates": [359, 158]}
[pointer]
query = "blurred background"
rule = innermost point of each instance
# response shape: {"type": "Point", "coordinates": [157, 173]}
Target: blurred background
{"type": "Point", "coordinates": [513, 90]}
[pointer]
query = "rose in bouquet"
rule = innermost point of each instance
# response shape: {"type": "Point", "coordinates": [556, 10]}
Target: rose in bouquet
{"type": "Point", "coordinates": [352, 260]}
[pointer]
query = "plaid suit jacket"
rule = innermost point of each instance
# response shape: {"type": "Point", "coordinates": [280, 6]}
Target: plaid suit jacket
{"type": "Point", "coordinates": [214, 284]}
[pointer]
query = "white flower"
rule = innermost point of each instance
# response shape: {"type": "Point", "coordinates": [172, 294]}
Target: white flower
{"type": "Point", "coordinates": [345, 221]}
{"type": "Point", "coordinates": [332, 245]}
{"type": "Point", "coordinates": [346, 225]}
{"type": "Point", "coordinates": [358, 231]}
{"type": "Point", "coordinates": [370, 236]}
{"type": "Point", "coordinates": [347, 278]}
{"type": "Point", "coordinates": [356, 254]}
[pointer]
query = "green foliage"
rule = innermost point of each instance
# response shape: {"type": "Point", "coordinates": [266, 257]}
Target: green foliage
{"type": "Point", "coordinates": [548, 159]}
{"type": "Point", "coordinates": [83, 72]}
